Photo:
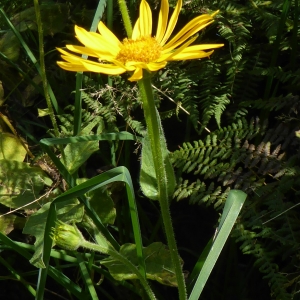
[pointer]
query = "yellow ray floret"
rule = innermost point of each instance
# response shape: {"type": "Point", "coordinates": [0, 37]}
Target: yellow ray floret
{"type": "Point", "coordinates": [143, 50]}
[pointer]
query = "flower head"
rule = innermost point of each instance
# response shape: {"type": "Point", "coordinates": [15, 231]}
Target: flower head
{"type": "Point", "coordinates": [142, 50]}
{"type": "Point", "coordinates": [66, 236]}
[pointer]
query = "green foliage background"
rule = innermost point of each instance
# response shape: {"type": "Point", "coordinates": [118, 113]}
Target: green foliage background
{"type": "Point", "coordinates": [240, 131]}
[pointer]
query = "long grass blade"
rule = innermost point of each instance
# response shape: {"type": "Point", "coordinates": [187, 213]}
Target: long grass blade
{"type": "Point", "coordinates": [233, 205]}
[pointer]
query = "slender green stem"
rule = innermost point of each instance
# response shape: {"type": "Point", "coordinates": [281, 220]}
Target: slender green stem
{"type": "Point", "coordinates": [116, 255]}
{"type": "Point", "coordinates": [161, 175]}
{"type": "Point", "coordinates": [125, 17]}
{"type": "Point", "coordinates": [43, 70]}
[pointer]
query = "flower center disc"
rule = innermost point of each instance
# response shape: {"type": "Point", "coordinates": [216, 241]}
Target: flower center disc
{"type": "Point", "coordinates": [144, 49]}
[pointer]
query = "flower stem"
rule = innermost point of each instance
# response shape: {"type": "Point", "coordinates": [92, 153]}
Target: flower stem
{"type": "Point", "coordinates": [125, 17]}
{"type": "Point", "coordinates": [153, 124]}
{"type": "Point", "coordinates": [116, 255]}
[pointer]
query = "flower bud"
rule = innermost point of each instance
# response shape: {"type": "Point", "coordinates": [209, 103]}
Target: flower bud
{"type": "Point", "coordinates": [67, 236]}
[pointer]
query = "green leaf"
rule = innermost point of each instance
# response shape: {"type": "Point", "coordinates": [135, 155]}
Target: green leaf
{"type": "Point", "coordinates": [21, 184]}
{"type": "Point", "coordinates": [9, 222]}
{"type": "Point", "coordinates": [11, 148]}
{"type": "Point", "coordinates": [68, 211]}
{"type": "Point", "coordinates": [148, 180]}
{"type": "Point", "coordinates": [157, 259]}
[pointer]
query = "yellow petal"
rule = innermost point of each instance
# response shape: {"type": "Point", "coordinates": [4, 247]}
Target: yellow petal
{"type": "Point", "coordinates": [136, 34]}
{"type": "Point", "coordinates": [216, 12]}
{"type": "Point", "coordinates": [71, 67]}
{"type": "Point", "coordinates": [65, 52]}
{"type": "Point", "coordinates": [69, 56]}
{"type": "Point", "coordinates": [164, 57]}
{"type": "Point", "coordinates": [127, 67]}
{"type": "Point", "coordinates": [145, 19]}
{"type": "Point", "coordinates": [108, 35]}
{"type": "Point", "coordinates": [95, 41]}
{"type": "Point", "coordinates": [152, 66]}
{"type": "Point", "coordinates": [172, 22]}
{"type": "Point", "coordinates": [196, 48]}
{"type": "Point", "coordinates": [108, 69]}
{"type": "Point", "coordinates": [90, 52]}
{"type": "Point", "coordinates": [185, 56]}
{"type": "Point", "coordinates": [162, 20]}
{"type": "Point", "coordinates": [133, 65]}
{"type": "Point", "coordinates": [155, 66]}
{"type": "Point", "coordinates": [137, 75]}
{"type": "Point", "coordinates": [180, 49]}
{"type": "Point", "coordinates": [188, 30]}
{"type": "Point", "coordinates": [72, 59]}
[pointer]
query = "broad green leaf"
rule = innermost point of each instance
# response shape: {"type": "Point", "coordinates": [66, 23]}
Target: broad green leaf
{"type": "Point", "coordinates": [21, 184]}
{"type": "Point", "coordinates": [11, 147]}
{"type": "Point", "coordinates": [148, 180]}
{"type": "Point", "coordinates": [157, 260]}
{"type": "Point", "coordinates": [9, 222]}
{"type": "Point", "coordinates": [68, 211]}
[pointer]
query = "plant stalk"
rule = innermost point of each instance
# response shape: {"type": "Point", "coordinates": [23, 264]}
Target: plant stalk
{"type": "Point", "coordinates": [125, 17]}
{"type": "Point", "coordinates": [161, 175]}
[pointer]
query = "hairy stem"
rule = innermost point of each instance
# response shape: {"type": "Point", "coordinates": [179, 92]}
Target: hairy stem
{"type": "Point", "coordinates": [125, 17]}
{"type": "Point", "coordinates": [153, 126]}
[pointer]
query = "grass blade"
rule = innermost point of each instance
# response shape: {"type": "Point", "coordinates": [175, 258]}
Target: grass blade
{"type": "Point", "coordinates": [230, 213]}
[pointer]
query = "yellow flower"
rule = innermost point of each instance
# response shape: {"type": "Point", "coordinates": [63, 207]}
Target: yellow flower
{"type": "Point", "coordinates": [142, 50]}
